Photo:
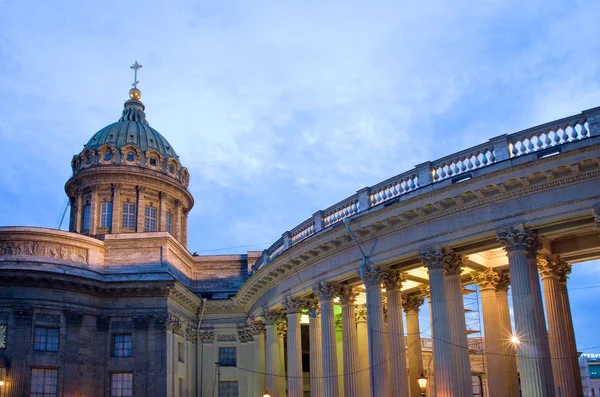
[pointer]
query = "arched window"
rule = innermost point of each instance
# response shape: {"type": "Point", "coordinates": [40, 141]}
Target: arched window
{"type": "Point", "coordinates": [86, 218]}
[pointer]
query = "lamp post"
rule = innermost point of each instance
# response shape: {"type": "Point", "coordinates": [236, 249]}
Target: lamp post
{"type": "Point", "coordinates": [422, 383]}
{"type": "Point", "coordinates": [266, 394]}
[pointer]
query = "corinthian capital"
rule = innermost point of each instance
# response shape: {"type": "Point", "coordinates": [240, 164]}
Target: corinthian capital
{"type": "Point", "coordinates": [412, 302]}
{"type": "Point", "coordinates": [293, 304]}
{"type": "Point", "coordinates": [257, 327]}
{"type": "Point", "coordinates": [518, 238]}
{"type": "Point", "coordinates": [326, 290]}
{"type": "Point", "coordinates": [439, 257]}
{"type": "Point", "coordinates": [282, 328]}
{"type": "Point", "coordinates": [360, 312]}
{"type": "Point", "coordinates": [347, 294]}
{"type": "Point", "coordinates": [503, 281]}
{"type": "Point", "coordinates": [487, 279]}
{"type": "Point", "coordinates": [392, 279]}
{"type": "Point", "coordinates": [272, 316]}
{"type": "Point", "coordinates": [554, 266]}
{"type": "Point", "coordinates": [370, 276]}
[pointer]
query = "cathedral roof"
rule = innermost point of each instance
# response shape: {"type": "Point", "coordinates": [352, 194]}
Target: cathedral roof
{"type": "Point", "coordinates": [132, 129]}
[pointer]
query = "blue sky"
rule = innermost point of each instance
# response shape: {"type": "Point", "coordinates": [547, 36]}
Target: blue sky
{"type": "Point", "coordinates": [279, 109]}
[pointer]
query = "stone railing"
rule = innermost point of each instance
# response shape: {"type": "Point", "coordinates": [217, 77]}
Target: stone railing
{"type": "Point", "coordinates": [545, 140]}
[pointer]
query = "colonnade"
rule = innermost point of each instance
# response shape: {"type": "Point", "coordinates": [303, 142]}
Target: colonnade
{"type": "Point", "coordinates": [375, 356]}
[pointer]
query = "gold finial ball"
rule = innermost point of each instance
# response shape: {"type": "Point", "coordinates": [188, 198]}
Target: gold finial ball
{"type": "Point", "coordinates": [134, 93]}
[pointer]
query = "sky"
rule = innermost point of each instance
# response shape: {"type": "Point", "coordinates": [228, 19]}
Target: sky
{"type": "Point", "coordinates": [279, 109]}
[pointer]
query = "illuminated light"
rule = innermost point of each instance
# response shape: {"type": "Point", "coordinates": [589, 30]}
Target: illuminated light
{"type": "Point", "coordinates": [266, 394]}
{"type": "Point", "coordinates": [1, 383]}
{"type": "Point", "coordinates": [515, 340]}
{"type": "Point", "coordinates": [336, 299]}
{"type": "Point", "coordinates": [422, 382]}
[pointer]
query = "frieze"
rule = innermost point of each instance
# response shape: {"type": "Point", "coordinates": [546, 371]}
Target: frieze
{"type": "Point", "coordinates": [249, 297]}
{"type": "Point", "coordinates": [245, 335]}
{"type": "Point", "coordinates": [160, 322]}
{"type": "Point", "coordinates": [226, 338]}
{"type": "Point", "coordinates": [4, 316]}
{"type": "Point", "coordinates": [22, 314]}
{"type": "Point", "coordinates": [43, 249]}
{"type": "Point", "coordinates": [47, 318]}
{"type": "Point", "coordinates": [174, 324]}
{"type": "Point", "coordinates": [122, 325]}
{"type": "Point", "coordinates": [190, 332]}
{"type": "Point", "coordinates": [207, 336]}
{"type": "Point", "coordinates": [141, 322]}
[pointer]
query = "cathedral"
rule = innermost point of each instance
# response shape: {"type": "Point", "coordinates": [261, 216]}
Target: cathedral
{"type": "Point", "coordinates": [118, 306]}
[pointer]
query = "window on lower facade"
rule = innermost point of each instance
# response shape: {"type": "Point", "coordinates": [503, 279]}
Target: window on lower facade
{"type": "Point", "coordinates": [227, 356]}
{"type": "Point", "coordinates": [86, 218]}
{"type": "Point", "coordinates": [121, 345]}
{"type": "Point", "coordinates": [228, 389]}
{"type": "Point", "coordinates": [45, 339]}
{"type": "Point", "coordinates": [106, 215]}
{"type": "Point", "coordinates": [169, 222]}
{"type": "Point", "coordinates": [150, 219]}
{"type": "Point", "coordinates": [44, 382]}
{"type": "Point", "coordinates": [180, 351]}
{"type": "Point", "coordinates": [181, 387]}
{"type": "Point", "coordinates": [128, 220]}
{"type": "Point", "coordinates": [121, 384]}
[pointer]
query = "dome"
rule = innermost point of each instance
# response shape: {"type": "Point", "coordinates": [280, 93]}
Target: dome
{"type": "Point", "coordinates": [132, 129]}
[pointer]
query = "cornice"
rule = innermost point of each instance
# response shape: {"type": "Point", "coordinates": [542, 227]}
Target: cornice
{"type": "Point", "coordinates": [333, 241]}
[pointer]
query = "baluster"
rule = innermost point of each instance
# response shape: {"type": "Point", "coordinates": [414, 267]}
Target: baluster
{"type": "Point", "coordinates": [411, 184]}
{"type": "Point", "coordinates": [573, 132]}
{"type": "Point", "coordinates": [442, 171]}
{"type": "Point", "coordinates": [492, 156]}
{"type": "Point", "coordinates": [530, 144]}
{"type": "Point", "coordinates": [462, 167]}
{"type": "Point", "coordinates": [469, 164]}
{"type": "Point", "coordinates": [515, 150]}
{"type": "Point", "coordinates": [477, 162]}
{"type": "Point", "coordinates": [583, 132]}
{"type": "Point", "coordinates": [455, 169]}
{"type": "Point", "coordinates": [539, 142]}
{"type": "Point", "coordinates": [394, 190]}
{"type": "Point", "coordinates": [564, 136]}
{"type": "Point", "coordinates": [435, 175]}
{"type": "Point", "coordinates": [547, 140]}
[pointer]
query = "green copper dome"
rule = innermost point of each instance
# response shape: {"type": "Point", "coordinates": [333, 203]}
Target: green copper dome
{"type": "Point", "coordinates": [132, 128]}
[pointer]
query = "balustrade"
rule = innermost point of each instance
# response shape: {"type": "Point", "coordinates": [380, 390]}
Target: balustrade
{"type": "Point", "coordinates": [498, 149]}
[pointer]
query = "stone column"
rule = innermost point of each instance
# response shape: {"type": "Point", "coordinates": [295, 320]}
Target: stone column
{"type": "Point", "coordinates": [509, 352]}
{"type": "Point", "coordinates": [141, 325]}
{"type": "Point", "coordinates": [78, 211]}
{"type": "Point", "coordinates": [364, 383]}
{"type": "Point", "coordinates": [494, 350]}
{"type": "Point", "coordinates": [295, 382]}
{"type": "Point", "coordinates": [73, 319]}
{"type": "Point", "coordinates": [93, 210]}
{"type": "Point", "coordinates": [430, 367]}
{"type": "Point", "coordinates": [392, 281]}
{"type": "Point", "coordinates": [379, 366]}
{"type": "Point", "coordinates": [140, 208]}
{"type": "Point", "coordinates": [184, 217]}
{"type": "Point", "coordinates": [327, 291]}
{"type": "Point", "coordinates": [533, 350]}
{"type": "Point", "coordinates": [339, 351]}
{"type": "Point", "coordinates": [347, 296]}
{"type": "Point", "coordinates": [434, 259]}
{"type": "Point", "coordinates": [552, 268]}
{"type": "Point", "coordinates": [570, 330]}
{"type": "Point", "coordinates": [315, 346]}
{"type": "Point", "coordinates": [258, 332]}
{"type": "Point", "coordinates": [162, 209]}
{"type": "Point", "coordinates": [458, 324]}
{"type": "Point", "coordinates": [411, 306]}
{"type": "Point", "coordinates": [272, 352]}
{"type": "Point", "coordinates": [116, 208]}
{"type": "Point", "coordinates": [281, 381]}
{"type": "Point", "coordinates": [177, 219]}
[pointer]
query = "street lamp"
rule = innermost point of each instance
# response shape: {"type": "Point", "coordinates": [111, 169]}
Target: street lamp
{"type": "Point", "coordinates": [266, 394]}
{"type": "Point", "coordinates": [422, 383]}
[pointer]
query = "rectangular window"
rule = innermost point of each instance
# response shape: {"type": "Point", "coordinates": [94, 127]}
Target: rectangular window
{"type": "Point", "coordinates": [169, 222]}
{"type": "Point", "coordinates": [228, 389]}
{"type": "Point", "coordinates": [121, 384]}
{"type": "Point", "coordinates": [121, 345]}
{"type": "Point", "coordinates": [128, 220]}
{"type": "Point", "coordinates": [150, 219]}
{"type": "Point", "coordinates": [44, 382]}
{"type": "Point", "coordinates": [106, 215]}
{"type": "Point", "coordinates": [227, 356]}
{"type": "Point", "coordinates": [45, 339]}
{"type": "Point", "coordinates": [181, 351]}
{"type": "Point", "coordinates": [181, 387]}
{"type": "Point", "coordinates": [86, 218]}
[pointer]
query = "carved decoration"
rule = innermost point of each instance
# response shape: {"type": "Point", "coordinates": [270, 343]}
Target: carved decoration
{"type": "Point", "coordinates": [370, 276]}
{"type": "Point", "coordinates": [312, 304]}
{"type": "Point", "coordinates": [257, 326]}
{"type": "Point", "coordinates": [47, 318]}
{"type": "Point", "coordinates": [190, 332]}
{"type": "Point", "coordinates": [122, 325]}
{"type": "Point", "coordinates": [597, 217]}
{"type": "Point", "coordinates": [487, 279]}
{"type": "Point", "coordinates": [245, 335]}
{"type": "Point", "coordinates": [518, 238]}
{"type": "Point", "coordinates": [160, 322]}
{"type": "Point", "coordinates": [360, 312]}
{"type": "Point", "coordinates": [503, 281]}
{"type": "Point", "coordinates": [412, 302]}
{"type": "Point", "coordinates": [43, 249]}
{"type": "Point", "coordinates": [273, 316]}
{"type": "Point", "coordinates": [3, 336]}
{"type": "Point", "coordinates": [392, 279]}
{"type": "Point", "coordinates": [293, 304]}
{"type": "Point", "coordinates": [326, 290]}
{"type": "Point", "coordinates": [554, 266]}
{"type": "Point", "coordinates": [438, 257]}
{"type": "Point", "coordinates": [22, 313]}
{"type": "Point", "coordinates": [207, 336]}
{"type": "Point", "coordinates": [347, 294]}
{"type": "Point", "coordinates": [74, 318]}
{"type": "Point", "coordinates": [282, 328]}
{"type": "Point", "coordinates": [226, 338]}
{"type": "Point", "coordinates": [425, 290]}
{"type": "Point", "coordinates": [102, 323]}
{"type": "Point", "coordinates": [174, 324]}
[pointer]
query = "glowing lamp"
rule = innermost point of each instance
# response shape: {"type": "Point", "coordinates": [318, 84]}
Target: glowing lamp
{"type": "Point", "coordinates": [266, 394]}
{"type": "Point", "coordinates": [422, 382]}
{"type": "Point", "coordinates": [515, 340]}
